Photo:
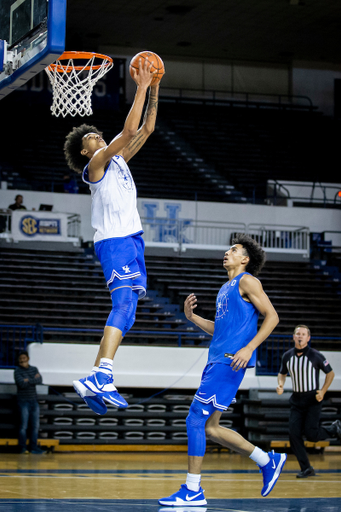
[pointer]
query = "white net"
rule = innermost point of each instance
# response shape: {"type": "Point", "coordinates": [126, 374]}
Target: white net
{"type": "Point", "coordinates": [73, 77]}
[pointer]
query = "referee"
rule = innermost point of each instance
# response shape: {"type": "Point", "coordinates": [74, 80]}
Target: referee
{"type": "Point", "coordinates": [304, 365]}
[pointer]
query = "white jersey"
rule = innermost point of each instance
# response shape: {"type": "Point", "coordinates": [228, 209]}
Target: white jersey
{"type": "Point", "coordinates": [114, 203]}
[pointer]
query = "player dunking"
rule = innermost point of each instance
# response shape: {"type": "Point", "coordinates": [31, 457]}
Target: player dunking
{"type": "Point", "coordinates": [232, 350]}
{"type": "Point", "coordinates": [118, 242]}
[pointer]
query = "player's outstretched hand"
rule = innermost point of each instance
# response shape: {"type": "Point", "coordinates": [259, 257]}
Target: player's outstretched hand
{"type": "Point", "coordinates": [144, 76]}
{"type": "Point", "coordinates": [190, 304]}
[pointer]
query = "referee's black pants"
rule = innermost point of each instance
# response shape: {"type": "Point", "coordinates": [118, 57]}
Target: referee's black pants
{"type": "Point", "coordinates": [305, 412]}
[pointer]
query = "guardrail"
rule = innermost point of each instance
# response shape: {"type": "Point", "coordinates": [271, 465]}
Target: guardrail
{"type": "Point", "coordinates": [14, 339]}
{"type": "Point", "coordinates": [182, 235]}
{"type": "Point", "coordinates": [5, 223]}
{"type": "Point", "coordinates": [181, 337]}
{"type": "Point", "coordinates": [73, 225]}
{"type": "Point", "coordinates": [327, 194]}
{"type": "Point", "coordinates": [249, 99]}
{"type": "Point", "coordinates": [281, 238]}
{"type": "Point", "coordinates": [186, 233]}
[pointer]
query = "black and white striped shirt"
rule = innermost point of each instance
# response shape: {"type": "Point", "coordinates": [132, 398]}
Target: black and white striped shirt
{"type": "Point", "coordinates": [304, 370]}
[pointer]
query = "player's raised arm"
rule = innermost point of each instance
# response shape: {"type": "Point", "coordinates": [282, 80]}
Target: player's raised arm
{"type": "Point", "coordinates": [147, 127]}
{"type": "Point", "coordinates": [189, 306]}
{"type": "Point", "coordinates": [101, 158]}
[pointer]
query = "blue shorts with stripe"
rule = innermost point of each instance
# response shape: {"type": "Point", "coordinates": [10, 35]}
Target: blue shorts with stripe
{"type": "Point", "coordinates": [122, 259]}
{"type": "Point", "coordinates": [219, 385]}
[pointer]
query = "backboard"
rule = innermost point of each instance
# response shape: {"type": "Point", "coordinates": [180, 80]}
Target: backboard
{"type": "Point", "coordinates": [32, 36]}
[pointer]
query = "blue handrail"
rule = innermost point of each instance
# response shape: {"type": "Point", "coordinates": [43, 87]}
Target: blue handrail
{"type": "Point", "coordinates": [154, 333]}
{"type": "Point", "coordinates": [14, 338]}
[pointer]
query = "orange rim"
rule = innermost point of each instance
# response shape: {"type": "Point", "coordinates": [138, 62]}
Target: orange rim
{"type": "Point", "coordinates": [60, 68]}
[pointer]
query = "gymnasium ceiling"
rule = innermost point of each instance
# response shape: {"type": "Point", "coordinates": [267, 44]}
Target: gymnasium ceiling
{"type": "Point", "coordinates": [277, 31]}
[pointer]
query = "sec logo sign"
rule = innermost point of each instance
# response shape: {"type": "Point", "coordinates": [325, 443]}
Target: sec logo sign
{"type": "Point", "coordinates": [29, 226]}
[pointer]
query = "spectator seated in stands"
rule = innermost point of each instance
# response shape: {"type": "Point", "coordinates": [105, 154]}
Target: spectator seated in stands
{"type": "Point", "coordinates": [26, 378]}
{"type": "Point", "coordinates": [18, 205]}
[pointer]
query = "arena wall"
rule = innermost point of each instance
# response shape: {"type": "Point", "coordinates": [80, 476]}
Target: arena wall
{"type": "Point", "coordinates": [145, 367]}
{"type": "Point", "coordinates": [316, 219]}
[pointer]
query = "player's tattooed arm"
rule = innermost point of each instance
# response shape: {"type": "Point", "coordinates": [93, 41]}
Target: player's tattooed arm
{"type": "Point", "coordinates": [138, 141]}
{"type": "Point", "coordinates": [151, 111]}
{"type": "Point", "coordinates": [147, 127]}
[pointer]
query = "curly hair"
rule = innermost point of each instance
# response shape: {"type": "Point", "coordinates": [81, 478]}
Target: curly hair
{"type": "Point", "coordinates": [74, 145]}
{"type": "Point", "coordinates": [253, 250]}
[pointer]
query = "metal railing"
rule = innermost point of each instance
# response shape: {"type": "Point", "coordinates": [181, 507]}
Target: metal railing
{"type": "Point", "coordinates": [187, 234]}
{"type": "Point", "coordinates": [211, 233]}
{"type": "Point", "coordinates": [281, 237]}
{"type": "Point", "coordinates": [15, 338]}
{"type": "Point", "coordinates": [258, 99]}
{"type": "Point", "coordinates": [5, 223]}
{"type": "Point", "coordinates": [283, 191]}
{"type": "Point", "coordinates": [73, 225]}
{"type": "Point", "coordinates": [181, 337]}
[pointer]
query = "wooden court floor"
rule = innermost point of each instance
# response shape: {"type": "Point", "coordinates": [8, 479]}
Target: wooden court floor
{"type": "Point", "coordinates": [127, 482]}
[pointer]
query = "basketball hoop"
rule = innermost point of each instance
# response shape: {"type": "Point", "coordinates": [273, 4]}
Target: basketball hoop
{"type": "Point", "coordinates": [72, 84]}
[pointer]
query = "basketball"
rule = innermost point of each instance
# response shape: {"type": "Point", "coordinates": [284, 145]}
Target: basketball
{"type": "Point", "coordinates": [151, 58]}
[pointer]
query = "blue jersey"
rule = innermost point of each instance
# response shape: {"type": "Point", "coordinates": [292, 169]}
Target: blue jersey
{"type": "Point", "coordinates": [235, 324]}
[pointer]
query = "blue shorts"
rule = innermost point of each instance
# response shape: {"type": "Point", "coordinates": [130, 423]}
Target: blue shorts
{"type": "Point", "coordinates": [123, 258]}
{"type": "Point", "coordinates": [219, 385]}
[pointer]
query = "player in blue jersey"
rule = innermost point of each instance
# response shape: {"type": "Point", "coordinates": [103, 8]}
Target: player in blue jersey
{"type": "Point", "coordinates": [232, 351]}
{"type": "Point", "coordinates": [114, 216]}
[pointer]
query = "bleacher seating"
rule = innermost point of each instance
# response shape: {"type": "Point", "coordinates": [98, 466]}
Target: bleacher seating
{"type": "Point", "coordinates": [299, 293]}
{"type": "Point", "coordinates": [66, 423]}
{"type": "Point", "coordinates": [67, 290]}
{"type": "Point", "coordinates": [248, 146]}
{"type": "Point", "coordinates": [154, 421]}
{"type": "Point", "coordinates": [267, 416]}
{"type": "Point", "coordinates": [160, 170]}
{"type": "Point", "coordinates": [197, 152]}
